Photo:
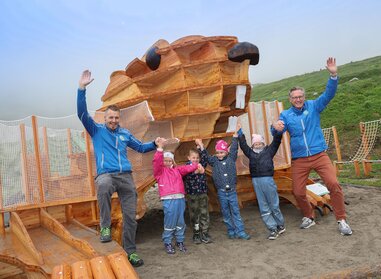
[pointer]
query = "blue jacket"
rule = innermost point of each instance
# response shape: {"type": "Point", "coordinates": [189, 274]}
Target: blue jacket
{"type": "Point", "coordinates": [224, 171]}
{"type": "Point", "coordinates": [303, 125]}
{"type": "Point", "coordinates": [110, 147]}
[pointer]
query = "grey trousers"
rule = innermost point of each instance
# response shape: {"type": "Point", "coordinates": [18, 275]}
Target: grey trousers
{"type": "Point", "coordinates": [123, 184]}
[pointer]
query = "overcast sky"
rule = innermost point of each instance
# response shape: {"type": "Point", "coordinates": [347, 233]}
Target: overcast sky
{"type": "Point", "coordinates": [45, 44]}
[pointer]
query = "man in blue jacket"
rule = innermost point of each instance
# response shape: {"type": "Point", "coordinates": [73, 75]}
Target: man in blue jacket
{"type": "Point", "coordinates": [308, 149]}
{"type": "Point", "coordinates": [110, 143]}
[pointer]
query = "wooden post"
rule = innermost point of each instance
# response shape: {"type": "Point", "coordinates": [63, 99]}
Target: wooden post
{"type": "Point", "coordinates": [265, 124]}
{"type": "Point", "coordinates": [366, 168]}
{"type": "Point", "coordinates": [24, 162]}
{"type": "Point", "coordinates": [46, 149]}
{"type": "Point", "coordinates": [283, 143]}
{"type": "Point", "coordinates": [2, 223]}
{"type": "Point", "coordinates": [70, 151]}
{"type": "Point", "coordinates": [38, 160]}
{"type": "Point", "coordinates": [90, 174]}
{"type": "Point", "coordinates": [337, 144]}
{"type": "Point", "coordinates": [357, 168]}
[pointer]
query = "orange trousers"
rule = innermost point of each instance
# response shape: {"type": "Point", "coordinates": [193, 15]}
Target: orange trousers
{"type": "Point", "coordinates": [321, 163]}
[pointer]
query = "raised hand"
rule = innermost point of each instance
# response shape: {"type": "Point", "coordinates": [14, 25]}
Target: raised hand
{"type": "Point", "coordinates": [331, 66]}
{"type": "Point", "coordinates": [200, 169]}
{"type": "Point", "coordinates": [160, 142]}
{"type": "Point", "coordinates": [85, 79]}
{"type": "Point", "coordinates": [278, 125]}
{"type": "Point", "coordinates": [199, 143]}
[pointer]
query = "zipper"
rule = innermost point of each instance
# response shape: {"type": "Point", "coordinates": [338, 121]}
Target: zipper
{"type": "Point", "coordinates": [305, 138]}
{"type": "Point", "coordinates": [119, 160]}
{"type": "Point", "coordinates": [103, 159]}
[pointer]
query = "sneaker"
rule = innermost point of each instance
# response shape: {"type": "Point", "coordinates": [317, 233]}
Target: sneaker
{"type": "Point", "coordinates": [135, 260]}
{"type": "Point", "coordinates": [344, 228]}
{"type": "Point", "coordinates": [231, 235]}
{"type": "Point", "coordinates": [244, 236]}
{"type": "Point", "coordinates": [196, 238]}
{"type": "Point", "coordinates": [181, 246]}
{"type": "Point", "coordinates": [273, 235]}
{"type": "Point", "coordinates": [169, 248]}
{"type": "Point", "coordinates": [105, 234]}
{"type": "Point", "coordinates": [306, 223]}
{"type": "Point", "coordinates": [281, 229]}
{"type": "Point", "coordinates": [205, 237]}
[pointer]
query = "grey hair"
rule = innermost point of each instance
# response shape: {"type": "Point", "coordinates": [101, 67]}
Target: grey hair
{"type": "Point", "coordinates": [296, 88]}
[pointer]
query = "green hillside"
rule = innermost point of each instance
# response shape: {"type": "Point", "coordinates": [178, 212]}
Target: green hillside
{"type": "Point", "coordinates": [358, 98]}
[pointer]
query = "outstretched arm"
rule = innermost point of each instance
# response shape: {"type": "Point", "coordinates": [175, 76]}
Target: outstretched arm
{"type": "Point", "coordinates": [204, 152]}
{"type": "Point", "coordinates": [82, 112]}
{"type": "Point", "coordinates": [158, 159]}
{"type": "Point", "coordinates": [141, 147]}
{"type": "Point", "coordinates": [274, 146]}
{"type": "Point", "coordinates": [331, 86]}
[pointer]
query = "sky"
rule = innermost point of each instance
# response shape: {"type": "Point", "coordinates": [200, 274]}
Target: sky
{"type": "Point", "coordinates": [45, 45]}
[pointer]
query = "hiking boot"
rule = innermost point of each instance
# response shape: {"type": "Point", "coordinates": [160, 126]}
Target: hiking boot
{"type": "Point", "coordinates": [205, 237]}
{"type": "Point", "coordinates": [105, 234]}
{"type": "Point", "coordinates": [344, 228]}
{"type": "Point", "coordinates": [169, 248]}
{"type": "Point", "coordinates": [196, 238]}
{"type": "Point", "coordinates": [273, 235]}
{"type": "Point", "coordinates": [306, 223]}
{"type": "Point", "coordinates": [135, 260]}
{"type": "Point", "coordinates": [281, 229]}
{"type": "Point", "coordinates": [244, 236]}
{"type": "Point", "coordinates": [231, 235]}
{"type": "Point", "coordinates": [181, 246]}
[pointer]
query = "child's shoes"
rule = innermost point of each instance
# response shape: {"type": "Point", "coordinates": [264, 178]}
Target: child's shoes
{"type": "Point", "coordinates": [244, 235]}
{"type": "Point", "coordinates": [169, 248]}
{"type": "Point", "coordinates": [181, 246]}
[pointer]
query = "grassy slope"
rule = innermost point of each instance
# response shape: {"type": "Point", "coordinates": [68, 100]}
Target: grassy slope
{"type": "Point", "coordinates": [355, 101]}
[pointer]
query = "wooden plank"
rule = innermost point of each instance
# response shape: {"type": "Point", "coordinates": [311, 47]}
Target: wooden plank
{"type": "Point", "coordinates": [51, 224]}
{"type": "Point", "coordinates": [101, 268]}
{"type": "Point", "coordinates": [121, 266]}
{"type": "Point", "coordinates": [19, 230]}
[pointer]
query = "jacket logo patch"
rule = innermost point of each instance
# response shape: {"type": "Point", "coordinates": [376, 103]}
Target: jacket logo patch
{"type": "Point", "coordinates": [122, 138]}
{"type": "Point", "coordinates": [305, 112]}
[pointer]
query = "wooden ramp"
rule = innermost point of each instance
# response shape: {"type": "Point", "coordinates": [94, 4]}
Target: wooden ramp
{"type": "Point", "coordinates": [37, 245]}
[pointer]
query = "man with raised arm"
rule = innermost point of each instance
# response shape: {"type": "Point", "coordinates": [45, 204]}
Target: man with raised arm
{"type": "Point", "coordinates": [110, 143]}
{"type": "Point", "coordinates": [308, 148]}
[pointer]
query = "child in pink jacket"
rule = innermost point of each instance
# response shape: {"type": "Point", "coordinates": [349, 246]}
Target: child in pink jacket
{"type": "Point", "coordinates": [171, 191]}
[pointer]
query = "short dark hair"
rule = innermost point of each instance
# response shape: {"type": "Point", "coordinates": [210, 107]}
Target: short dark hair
{"type": "Point", "coordinates": [113, 108]}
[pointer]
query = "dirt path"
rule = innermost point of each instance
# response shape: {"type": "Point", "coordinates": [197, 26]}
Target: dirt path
{"type": "Point", "coordinates": [296, 254]}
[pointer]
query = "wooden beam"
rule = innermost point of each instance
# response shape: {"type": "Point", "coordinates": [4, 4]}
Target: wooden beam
{"type": "Point", "coordinates": [121, 266]}
{"type": "Point", "coordinates": [90, 177]}
{"type": "Point", "coordinates": [337, 144]}
{"type": "Point", "coordinates": [55, 227]}
{"type": "Point", "coordinates": [38, 160]}
{"type": "Point", "coordinates": [101, 268]}
{"type": "Point", "coordinates": [21, 233]}
{"type": "Point", "coordinates": [62, 272]}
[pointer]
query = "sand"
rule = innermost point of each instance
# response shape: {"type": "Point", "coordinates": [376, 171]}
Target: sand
{"type": "Point", "coordinates": [295, 254]}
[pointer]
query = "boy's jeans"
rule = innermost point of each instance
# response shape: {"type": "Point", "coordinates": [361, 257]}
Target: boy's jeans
{"type": "Point", "coordinates": [174, 223]}
{"type": "Point", "coordinates": [268, 201]}
{"type": "Point", "coordinates": [230, 212]}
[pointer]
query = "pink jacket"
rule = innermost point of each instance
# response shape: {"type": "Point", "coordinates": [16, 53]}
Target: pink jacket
{"type": "Point", "coordinates": [170, 180]}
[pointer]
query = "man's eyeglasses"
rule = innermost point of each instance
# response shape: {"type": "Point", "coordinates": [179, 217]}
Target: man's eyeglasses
{"type": "Point", "coordinates": [297, 97]}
